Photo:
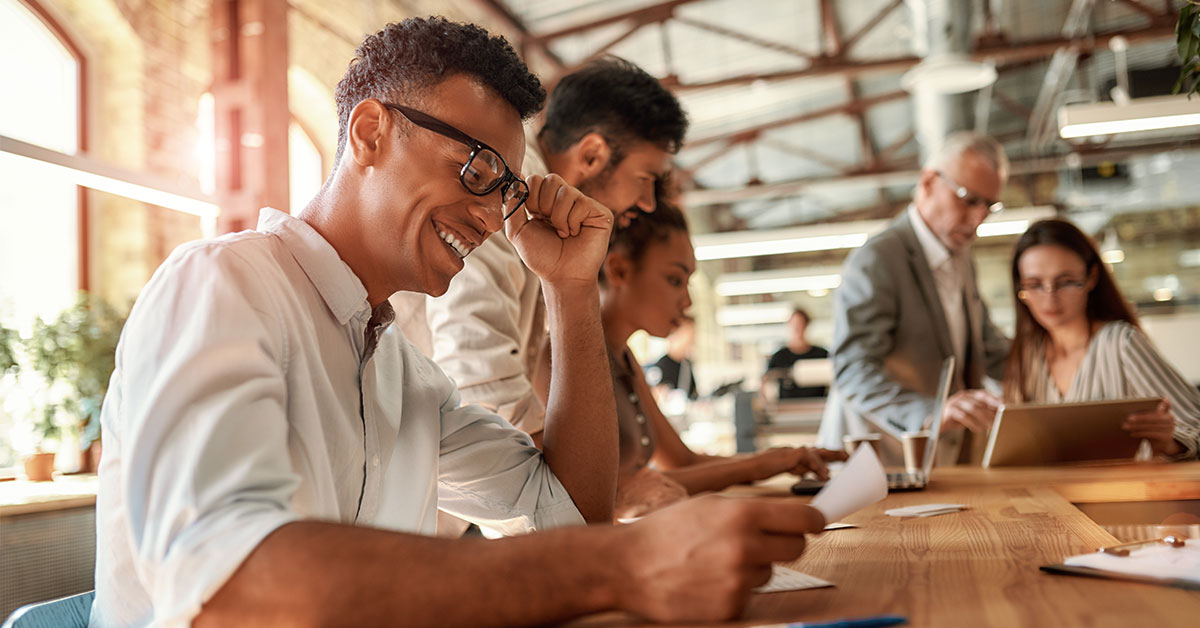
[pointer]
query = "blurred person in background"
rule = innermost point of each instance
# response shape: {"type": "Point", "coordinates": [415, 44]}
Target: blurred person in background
{"type": "Point", "coordinates": [779, 367]}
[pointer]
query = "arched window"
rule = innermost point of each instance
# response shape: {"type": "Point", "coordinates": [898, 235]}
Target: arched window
{"type": "Point", "coordinates": [40, 239]}
{"type": "Point", "coordinates": [306, 171]}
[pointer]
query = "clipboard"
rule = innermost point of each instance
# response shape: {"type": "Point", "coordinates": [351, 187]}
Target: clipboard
{"type": "Point", "coordinates": [1175, 558]}
{"type": "Point", "coordinates": [1067, 570]}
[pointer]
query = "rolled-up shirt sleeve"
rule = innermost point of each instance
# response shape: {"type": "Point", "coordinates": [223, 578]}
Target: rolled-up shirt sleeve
{"type": "Point", "coordinates": [491, 474]}
{"type": "Point", "coordinates": [199, 420]}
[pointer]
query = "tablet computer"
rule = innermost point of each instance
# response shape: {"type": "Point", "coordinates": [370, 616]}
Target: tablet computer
{"type": "Point", "coordinates": [1036, 435]}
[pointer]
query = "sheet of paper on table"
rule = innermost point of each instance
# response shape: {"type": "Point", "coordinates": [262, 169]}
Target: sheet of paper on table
{"type": "Point", "coordinates": [924, 510]}
{"type": "Point", "coordinates": [785, 579]}
{"type": "Point", "coordinates": [860, 483]}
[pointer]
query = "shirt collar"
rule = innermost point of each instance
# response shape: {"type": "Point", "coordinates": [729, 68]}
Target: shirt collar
{"type": "Point", "coordinates": [343, 292]}
{"type": "Point", "coordinates": [935, 252]}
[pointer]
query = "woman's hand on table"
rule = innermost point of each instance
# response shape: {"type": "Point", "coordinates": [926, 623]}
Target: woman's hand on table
{"type": "Point", "coordinates": [797, 460]}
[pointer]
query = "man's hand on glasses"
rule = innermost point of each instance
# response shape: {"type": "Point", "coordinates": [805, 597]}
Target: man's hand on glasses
{"type": "Point", "coordinates": [560, 232]}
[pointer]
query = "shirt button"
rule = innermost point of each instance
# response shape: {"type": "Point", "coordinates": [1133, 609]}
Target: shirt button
{"type": "Point", "coordinates": [640, 418]}
{"type": "Point", "coordinates": [633, 398]}
{"type": "Point", "coordinates": [645, 441]}
{"type": "Point", "coordinates": [375, 461]}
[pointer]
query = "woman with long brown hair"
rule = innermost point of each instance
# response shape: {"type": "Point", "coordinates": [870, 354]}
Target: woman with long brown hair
{"type": "Point", "coordinates": [1078, 340]}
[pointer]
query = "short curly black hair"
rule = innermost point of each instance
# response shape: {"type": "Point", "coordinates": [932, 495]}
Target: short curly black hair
{"type": "Point", "coordinates": [618, 100]}
{"type": "Point", "coordinates": [418, 53]}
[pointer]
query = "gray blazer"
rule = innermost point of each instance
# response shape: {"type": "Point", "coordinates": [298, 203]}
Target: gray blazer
{"type": "Point", "coordinates": [891, 335]}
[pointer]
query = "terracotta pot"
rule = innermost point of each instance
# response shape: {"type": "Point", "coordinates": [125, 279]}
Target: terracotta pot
{"type": "Point", "coordinates": [40, 467]}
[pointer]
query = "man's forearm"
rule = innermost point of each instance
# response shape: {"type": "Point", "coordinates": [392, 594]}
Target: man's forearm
{"type": "Point", "coordinates": [315, 573]}
{"type": "Point", "coordinates": [580, 437]}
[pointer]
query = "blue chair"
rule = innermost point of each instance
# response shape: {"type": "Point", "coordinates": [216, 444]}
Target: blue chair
{"type": "Point", "coordinates": [67, 612]}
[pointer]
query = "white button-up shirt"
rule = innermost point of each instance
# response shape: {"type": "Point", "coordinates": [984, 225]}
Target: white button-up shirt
{"type": "Point", "coordinates": [949, 273]}
{"type": "Point", "coordinates": [249, 392]}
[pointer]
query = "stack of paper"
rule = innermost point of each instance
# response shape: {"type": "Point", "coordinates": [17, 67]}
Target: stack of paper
{"type": "Point", "coordinates": [924, 510]}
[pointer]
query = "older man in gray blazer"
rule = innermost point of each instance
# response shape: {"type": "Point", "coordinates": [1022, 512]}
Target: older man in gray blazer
{"type": "Point", "coordinates": [908, 300]}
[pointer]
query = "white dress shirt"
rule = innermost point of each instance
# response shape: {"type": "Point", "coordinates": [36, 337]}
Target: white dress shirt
{"type": "Point", "coordinates": [488, 330]}
{"type": "Point", "coordinates": [249, 392]}
{"type": "Point", "coordinates": [949, 273]}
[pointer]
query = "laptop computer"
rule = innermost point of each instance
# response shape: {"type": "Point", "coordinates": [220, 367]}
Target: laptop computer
{"type": "Point", "coordinates": [905, 481]}
{"type": "Point", "coordinates": [1035, 435]}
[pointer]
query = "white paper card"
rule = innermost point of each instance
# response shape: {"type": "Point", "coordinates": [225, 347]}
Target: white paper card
{"type": "Point", "coordinates": [839, 526]}
{"type": "Point", "coordinates": [860, 483]}
{"type": "Point", "coordinates": [925, 510]}
{"type": "Point", "coordinates": [784, 579]}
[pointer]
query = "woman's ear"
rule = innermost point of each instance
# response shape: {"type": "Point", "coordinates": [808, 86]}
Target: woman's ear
{"type": "Point", "coordinates": [617, 268]}
{"type": "Point", "coordinates": [1093, 278]}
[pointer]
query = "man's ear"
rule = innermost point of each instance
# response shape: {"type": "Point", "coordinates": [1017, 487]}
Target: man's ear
{"type": "Point", "coordinates": [617, 268]}
{"type": "Point", "coordinates": [925, 183]}
{"type": "Point", "coordinates": [365, 131]}
{"type": "Point", "coordinates": [592, 154]}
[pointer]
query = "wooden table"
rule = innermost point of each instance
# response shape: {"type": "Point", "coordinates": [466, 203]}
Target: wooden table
{"type": "Point", "coordinates": [980, 567]}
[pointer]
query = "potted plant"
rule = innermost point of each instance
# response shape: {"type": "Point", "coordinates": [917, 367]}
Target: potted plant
{"type": "Point", "coordinates": [75, 355]}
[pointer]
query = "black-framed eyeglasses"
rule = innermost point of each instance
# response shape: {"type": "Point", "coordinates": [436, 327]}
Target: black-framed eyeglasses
{"type": "Point", "coordinates": [485, 169]}
{"type": "Point", "coordinates": [969, 198]}
{"type": "Point", "coordinates": [1066, 287]}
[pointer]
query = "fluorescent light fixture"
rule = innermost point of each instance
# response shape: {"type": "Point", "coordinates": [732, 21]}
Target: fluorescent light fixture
{"type": "Point", "coordinates": [1163, 294]}
{"type": "Point", "coordinates": [779, 247]}
{"type": "Point", "coordinates": [1113, 256]}
{"type": "Point", "coordinates": [90, 173]}
{"type": "Point", "coordinates": [840, 235]}
{"type": "Point", "coordinates": [778, 281]}
{"type": "Point", "coordinates": [1141, 114]}
{"type": "Point", "coordinates": [755, 314]}
{"type": "Point", "coordinates": [948, 74]}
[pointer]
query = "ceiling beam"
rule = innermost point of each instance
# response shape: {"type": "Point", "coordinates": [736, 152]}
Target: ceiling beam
{"type": "Point", "coordinates": [1000, 54]}
{"type": "Point", "coordinates": [908, 176]}
{"type": "Point", "coordinates": [654, 13]}
{"type": "Point", "coordinates": [829, 29]}
{"type": "Point", "coordinates": [870, 25]}
{"type": "Point", "coordinates": [745, 38]}
{"type": "Point", "coordinates": [500, 12]}
{"type": "Point", "coordinates": [752, 132]}
{"type": "Point", "coordinates": [1141, 8]}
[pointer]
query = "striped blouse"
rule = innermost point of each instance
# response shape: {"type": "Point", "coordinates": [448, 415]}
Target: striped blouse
{"type": "Point", "coordinates": [1121, 363]}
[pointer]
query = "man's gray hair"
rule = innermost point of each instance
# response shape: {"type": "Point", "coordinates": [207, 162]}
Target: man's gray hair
{"type": "Point", "coordinates": [963, 141]}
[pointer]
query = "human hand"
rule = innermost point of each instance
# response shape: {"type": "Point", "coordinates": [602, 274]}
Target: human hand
{"type": "Point", "coordinates": [797, 460]}
{"type": "Point", "coordinates": [562, 235]}
{"type": "Point", "coordinates": [972, 409]}
{"type": "Point", "coordinates": [698, 560]}
{"type": "Point", "coordinates": [1156, 426]}
{"type": "Point", "coordinates": [644, 492]}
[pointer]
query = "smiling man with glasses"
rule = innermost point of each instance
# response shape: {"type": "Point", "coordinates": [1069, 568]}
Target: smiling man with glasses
{"type": "Point", "coordinates": [273, 457]}
{"type": "Point", "coordinates": [908, 300]}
